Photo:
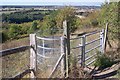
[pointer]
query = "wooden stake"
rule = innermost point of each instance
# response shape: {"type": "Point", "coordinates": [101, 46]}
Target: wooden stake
{"type": "Point", "coordinates": [105, 37]}
{"type": "Point", "coordinates": [33, 57]}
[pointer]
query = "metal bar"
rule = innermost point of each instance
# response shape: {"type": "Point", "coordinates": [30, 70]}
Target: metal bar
{"type": "Point", "coordinates": [43, 47]}
{"type": "Point", "coordinates": [92, 49]}
{"type": "Point", "coordinates": [13, 50]}
{"type": "Point", "coordinates": [48, 48]}
{"type": "Point", "coordinates": [76, 47]}
{"type": "Point", "coordinates": [92, 41]}
{"type": "Point", "coordinates": [48, 38]}
{"type": "Point", "coordinates": [90, 57]}
{"type": "Point", "coordinates": [102, 41]}
{"type": "Point", "coordinates": [91, 33]}
{"type": "Point", "coordinates": [76, 38]}
{"type": "Point", "coordinates": [83, 41]}
{"type": "Point", "coordinates": [56, 65]}
{"type": "Point", "coordinates": [90, 62]}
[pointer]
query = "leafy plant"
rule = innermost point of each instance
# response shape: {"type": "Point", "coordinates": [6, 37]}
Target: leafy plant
{"type": "Point", "coordinates": [103, 61]}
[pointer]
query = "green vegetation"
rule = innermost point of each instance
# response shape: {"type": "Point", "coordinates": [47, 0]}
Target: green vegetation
{"type": "Point", "coordinates": [103, 61]}
{"type": "Point", "coordinates": [32, 20]}
{"type": "Point", "coordinates": [110, 13]}
{"type": "Point", "coordinates": [33, 27]}
{"type": "Point", "coordinates": [24, 16]}
{"type": "Point", "coordinates": [50, 20]}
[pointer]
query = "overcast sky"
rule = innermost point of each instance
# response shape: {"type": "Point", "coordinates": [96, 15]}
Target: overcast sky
{"type": "Point", "coordinates": [51, 2]}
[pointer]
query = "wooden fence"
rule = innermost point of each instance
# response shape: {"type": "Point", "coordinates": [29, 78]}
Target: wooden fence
{"type": "Point", "coordinates": [11, 51]}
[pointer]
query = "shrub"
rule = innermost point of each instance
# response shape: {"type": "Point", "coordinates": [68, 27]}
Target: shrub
{"type": "Point", "coordinates": [103, 61]}
{"type": "Point", "coordinates": [3, 36]}
{"type": "Point", "coordinates": [14, 31]}
{"type": "Point", "coordinates": [94, 22]}
{"type": "Point", "coordinates": [33, 28]}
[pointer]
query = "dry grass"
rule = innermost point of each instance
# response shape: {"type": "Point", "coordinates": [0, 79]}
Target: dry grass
{"type": "Point", "coordinates": [14, 64]}
{"type": "Point", "coordinates": [14, 43]}
{"type": "Point", "coordinates": [78, 72]}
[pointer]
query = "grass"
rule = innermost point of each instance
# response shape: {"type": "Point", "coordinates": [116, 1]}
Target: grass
{"type": "Point", "coordinates": [15, 43]}
{"type": "Point", "coordinates": [14, 64]}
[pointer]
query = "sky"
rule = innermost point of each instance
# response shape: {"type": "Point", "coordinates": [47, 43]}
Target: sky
{"type": "Point", "coordinates": [51, 2]}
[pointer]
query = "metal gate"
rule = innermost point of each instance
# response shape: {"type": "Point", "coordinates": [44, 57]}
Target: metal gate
{"type": "Point", "coordinates": [53, 53]}
{"type": "Point", "coordinates": [86, 47]}
{"type": "Point", "coordinates": [49, 56]}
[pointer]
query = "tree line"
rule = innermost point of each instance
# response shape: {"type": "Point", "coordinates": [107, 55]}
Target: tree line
{"type": "Point", "coordinates": [24, 16]}
{"type": "Point", "coordinates": [49, 21]}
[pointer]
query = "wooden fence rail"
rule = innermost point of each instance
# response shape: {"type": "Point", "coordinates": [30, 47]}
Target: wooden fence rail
{"type": "Point", "coordinates": [13, 50]}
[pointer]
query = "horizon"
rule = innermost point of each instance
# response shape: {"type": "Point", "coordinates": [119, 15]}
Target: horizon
{"type": "Point", "coordinates": [52, 2]}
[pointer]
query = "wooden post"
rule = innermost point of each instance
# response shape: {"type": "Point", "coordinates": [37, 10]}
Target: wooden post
{"type": "Point", "coordinates": [102, 41]}
{"type": "Point", "coordinates": [67, 35]}
{"type": "Point", "coordinates": [33, 56]}
{"type": "Point", "coordinates": [63, 62]}
{"type": "Point", "coordinates": [105, 38]}
{"type": "Point", "coordinates": [83, 41]}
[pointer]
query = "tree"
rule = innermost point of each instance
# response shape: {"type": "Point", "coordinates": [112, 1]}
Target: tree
{"type": "Point", "coordinates": [67, 13]}
{"type": "Point", "coordinates": [33, 28]}
{"type": "Point", "coordinates": [110, 13]}
{"type": "Point", "coordinates": [14, 31]}
{"type": "Point", "coordinates": [47, 24]}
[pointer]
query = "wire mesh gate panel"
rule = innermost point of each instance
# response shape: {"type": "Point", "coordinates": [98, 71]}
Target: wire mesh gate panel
{"type": "Point", "coordinates": [48, 54]}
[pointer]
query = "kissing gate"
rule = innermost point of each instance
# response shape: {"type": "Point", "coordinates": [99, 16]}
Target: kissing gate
{"type": "Point", "coordinates": [50, 56]}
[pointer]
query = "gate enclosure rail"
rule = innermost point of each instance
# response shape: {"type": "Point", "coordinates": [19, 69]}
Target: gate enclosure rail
{"type": "Point", "coordinates": [64, 48]}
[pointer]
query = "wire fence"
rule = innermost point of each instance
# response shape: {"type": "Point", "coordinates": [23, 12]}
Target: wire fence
{"type": "Point", "coordinates": [48, 54]}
